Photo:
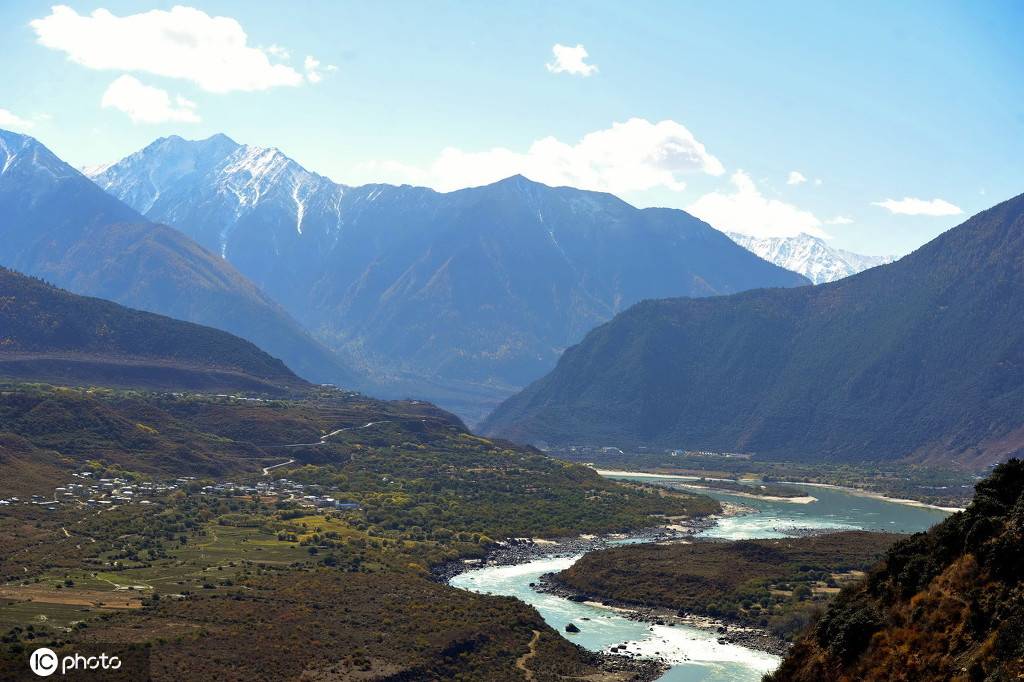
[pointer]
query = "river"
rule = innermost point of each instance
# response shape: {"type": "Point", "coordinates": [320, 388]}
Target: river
{"type": "Point", "coordinates": [695, 655]}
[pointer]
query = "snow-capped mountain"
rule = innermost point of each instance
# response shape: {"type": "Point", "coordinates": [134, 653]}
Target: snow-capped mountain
{"type": "Point", "coordinates": [216, 185]}
{"type": "Point", "coordinates": [23, 155]}
{"type": "Point", "coordinates": [56, 224]}
{"type": "Point", "coordinates": [810, 256]}
{"type": "Point", "coordinates": [467, 295]}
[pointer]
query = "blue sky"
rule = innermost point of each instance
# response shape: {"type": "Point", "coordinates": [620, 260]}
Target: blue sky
{"type": "Point", "coordinates": [706, 106]}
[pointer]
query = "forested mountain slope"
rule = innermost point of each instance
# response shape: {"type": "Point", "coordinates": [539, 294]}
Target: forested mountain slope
{"type": "Point", "coordinates": [922, 358]}
{"type": "Point", "coordinates": [47, 334]}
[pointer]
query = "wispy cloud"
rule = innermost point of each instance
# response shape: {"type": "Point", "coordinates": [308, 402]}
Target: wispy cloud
{"type": "Point", "coordinates": [571, 60]}
{"type": "Point", "coordinates": [796, 178]}
{"type": "Point", "coordinates": [630, 156]}
{"type": "Point", "coordinates": [313, 69]}
{"type": "Point", "coordinates": [10, 120]}
{"type": "Point", "coordinates": [839, 220]}
{"type": "Point", "coordinates": [914, 206]}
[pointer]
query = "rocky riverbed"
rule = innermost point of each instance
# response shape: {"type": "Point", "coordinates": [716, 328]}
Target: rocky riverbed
{"type": "Point", "coordinates": [522, 550]}
{"type": "Point", "coordinates": [751, 638]}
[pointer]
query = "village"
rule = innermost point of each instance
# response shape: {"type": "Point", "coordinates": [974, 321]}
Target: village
{"type": "Point", "coordinates": [91, 491]}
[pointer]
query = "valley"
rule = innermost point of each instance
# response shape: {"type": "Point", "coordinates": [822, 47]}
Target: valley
{"type": "Point", "coordinates": [512, 342]}
{"type": "Point", "coordinates": [181, 520]}
{"type": "Point", "coordinates": [697, 644]}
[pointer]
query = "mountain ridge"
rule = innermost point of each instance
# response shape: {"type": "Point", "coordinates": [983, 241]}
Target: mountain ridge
{"type": "Point", "coordinates": [57, 224]}
{"type": "Point", "coordinates": [476, 289]}
{"type": "Point", "coordinates": [848, 370]}
{"type": "Point", "coordinates": [51, 334]}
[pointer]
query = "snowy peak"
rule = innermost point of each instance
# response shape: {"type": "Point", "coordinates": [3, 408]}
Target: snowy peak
{"type": "Point", "coordinates": [26, 156]}
{"type": "Point", "coordinates": [220, 190]}
{"type": "Point", "coordinates": [810, 256]}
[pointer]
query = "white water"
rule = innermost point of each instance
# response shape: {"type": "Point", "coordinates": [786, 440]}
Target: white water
{"type": "Point", "coordinates": [695, 655]}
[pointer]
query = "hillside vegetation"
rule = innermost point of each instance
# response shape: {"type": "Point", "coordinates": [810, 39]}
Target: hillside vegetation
{"type": "Point", "coordinates": [48, 333]}
{"type": "Point", "coordinates": [920, 359]}
{"type": "Point", "coordinates": [945, 605]}
{"type": "Point", "coordinates": [244, 543]}
{"type": "Point", "coordinates": [774, 584]}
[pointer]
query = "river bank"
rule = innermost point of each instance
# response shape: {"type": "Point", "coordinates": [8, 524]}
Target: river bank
{"type": "Point", "coordinates": [728, 632]}
{"type": "Point", "coordinates": [692, 647]}
{"type": "Point", "coordinates": [514, 551]}
{"type": "Point", "coordinates": [522, 551]}
{"type": "Point", "coordinates": [859, 492]}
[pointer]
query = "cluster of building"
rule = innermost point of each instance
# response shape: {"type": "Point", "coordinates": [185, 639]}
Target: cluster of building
{"type": "Point", "coordinates": [100, 492]}
{"type": "Point", "coordinates": [93, 491]}
{"type": "Point", "coordinates": [283, 489]}
{"type": "Point", "coordinates": [580, 451]}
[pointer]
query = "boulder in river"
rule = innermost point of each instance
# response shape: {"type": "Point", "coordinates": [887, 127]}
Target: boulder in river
{"type": "Point", "coordinates": [571, 627]}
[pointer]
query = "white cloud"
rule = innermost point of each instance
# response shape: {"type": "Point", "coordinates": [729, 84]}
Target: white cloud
{"type": "Point", "coordinates": [914, 206]}
{"type": "Point", "coordinates": [796, 178]}
{"type": "Point", "coordinates": [747, 211]}
{"type": "Point", "coordinates": [312, 67]}
{"type": "Point", "coordinates": [571, 60]}
{"type": "Point", "coordinates": [13, 122]}
{"type": "Point", "coordinates": [145, 104]}
{"type": "Point", "coordinates": [839, 220]}
{"type": "Point", "coordinates": [279, 52]}
{"type": "Point", "coordinates": [631, 156]}
{"type": "Point", "coordinates": [184, 43]}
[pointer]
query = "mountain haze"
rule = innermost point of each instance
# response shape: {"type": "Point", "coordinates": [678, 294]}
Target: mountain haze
{"type": "Point", "coordinates": [921, 358]}
{"type": "Point", "coordinates": [459, 297]}
{"type": "Point", "coordinates": [58, 225]}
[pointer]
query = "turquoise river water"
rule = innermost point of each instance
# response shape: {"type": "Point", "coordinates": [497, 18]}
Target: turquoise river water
{"type": "Point", "coordinates": [694, 654]}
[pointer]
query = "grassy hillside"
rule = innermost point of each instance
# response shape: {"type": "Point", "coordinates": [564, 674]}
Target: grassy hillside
{"type": "Point", "coordinates": [267, 586]}
{"type": "Point", "coordinates": [943, 605]}
{"type": "Point", "coordinates": [204, 539]}
{"type": "Point", "coordinates": [919, 359]}
{"type": "Point", "coordinates": [410, 629]}
{"type": "Point", "coordinates": [415, 469]}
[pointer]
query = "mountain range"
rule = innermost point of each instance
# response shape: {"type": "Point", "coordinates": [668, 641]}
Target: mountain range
{"type": "Point", "coordinates": [810, 256]}
{"type": "Point", "coordinates": [58, 225]}
{"type": "Point", "coordinates": [52, 335]}
{"type": "Point", "coordinates": [921, 359]}
{"type": "Point", "coordinates": [460, 297]}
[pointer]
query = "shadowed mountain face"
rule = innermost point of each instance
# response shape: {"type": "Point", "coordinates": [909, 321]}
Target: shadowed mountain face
{"type": "Point", "coordinates": [475, 291]}
{"type": "Point", "coordinates": [51, 335]}
{"type": "Point", "coordinates": [921, 358]}
{"type": "Point", "coordinates": [58, 225]}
